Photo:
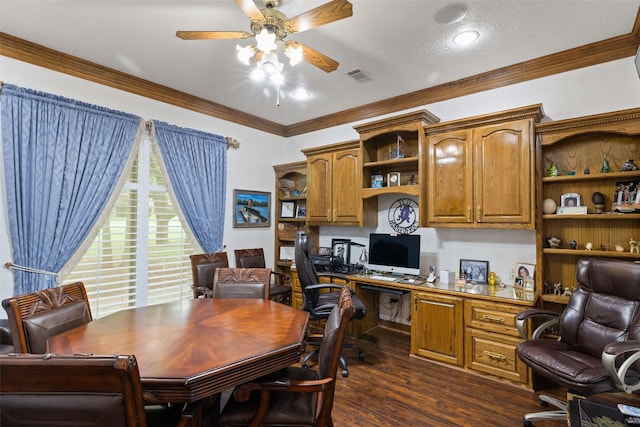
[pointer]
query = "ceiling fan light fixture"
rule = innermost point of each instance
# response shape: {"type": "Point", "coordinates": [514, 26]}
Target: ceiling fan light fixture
{"type": "Point", "coordinates": [245, 53]}
{"type": "Point", "coordinates": [293, 51]}
{"type": "Point", "coordinates": [266, 41]}
{"type": "Point", "coordinates": [301, 94]}
{"type": "Point", "coordinates": [466, 37]}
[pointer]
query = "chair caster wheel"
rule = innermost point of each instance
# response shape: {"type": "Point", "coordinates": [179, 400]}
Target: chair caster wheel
{"type": "Point", "coordinates": [543, 403]}
{"type": "Point", "coordinates": [361, 356]}
{"type": "Point", "coordinates": [345, 373]}
{"type": "Point", "coordinates": [526, 423]}
{"type": "Point", "coordinates": [304, 365]}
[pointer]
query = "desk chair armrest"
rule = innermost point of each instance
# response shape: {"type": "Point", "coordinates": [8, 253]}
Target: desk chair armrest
{"type": "Point", "coordinates": [524, 316]}
{"type": "Point", "coordinates": [624, 377]}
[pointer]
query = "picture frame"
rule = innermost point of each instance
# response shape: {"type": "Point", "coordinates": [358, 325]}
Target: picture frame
{"type": "Point", "coordinates": [529, 286]}
{"type": "Point", "coordinates": [626, 198]}
{"type": "Point", "coordinates": [252, 209]}
{"type": "Point", "coordinates": [570, 199]}
{"type": "Point", "coordinates": [301, 211]}
{"type": "Point", "coordinates": [341, 251]}
{"type": "Point", "coordinates": [524, 272]}
{"type": "Point", "coordinates": [474, 270]}
{"type": "Point", "coordinates": [287, 209]}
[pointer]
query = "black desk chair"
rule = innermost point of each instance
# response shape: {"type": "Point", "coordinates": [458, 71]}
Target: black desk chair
{"type": "Point", "coordinates": [602, 314]}
{"type": "Point", "coordinates": [320, 298]}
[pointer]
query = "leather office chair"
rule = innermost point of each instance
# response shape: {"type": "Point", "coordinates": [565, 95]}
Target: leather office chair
{"type": "Point", "coordinates": [203, 267]}
{"type": "Point", "coordinates": [73, 390]}
{"type": "Point", "coordinates": [280, 287]}
{"type": "Point", "coordinates": [295, 396]}
{"type": "Point", "coordinates": [602, 312]}
{"type": "Point", "coordinates": [6, 340]}
{"type": "Point", "coordinates": [241, 283]}
{"type": "Point", "coordinates": [39, 315]}
{"type": "Point", "coordinates": [320, 298]}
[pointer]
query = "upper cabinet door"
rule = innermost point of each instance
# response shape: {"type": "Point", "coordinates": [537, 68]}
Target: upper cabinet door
{"type": "Point", "coordinates": [504, 173]}
{"type": "Point", "coordinates": [346, 184]}
{"type": "Point", "coordinates": [319, 182]}
{"type": "Point", "coordinates": [450, 184]}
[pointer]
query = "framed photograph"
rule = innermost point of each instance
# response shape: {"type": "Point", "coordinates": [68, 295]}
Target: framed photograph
{"type": "Point", "coordinates": [475, 270]}
{"type": "Point", "coordinates": [570, 199]}
{"type": "Point", "coordinates": [523, 272]}
{"type": "Point", "coordinates": [627, 197]}
{"type": "Point", "coordinates": [287, 209]}
{"type": "Point", "coordinates": [341, 251]}
{"type": "Point", "coordinates": [528, 285]}
{"type": "Point", "coordinates": [301, 211]}
{"type": "Point", "coordinates": [252, 209]}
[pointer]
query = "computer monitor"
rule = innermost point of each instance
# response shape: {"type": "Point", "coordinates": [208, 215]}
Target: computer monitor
{"type": "Point", "coordinates": [394, 253]}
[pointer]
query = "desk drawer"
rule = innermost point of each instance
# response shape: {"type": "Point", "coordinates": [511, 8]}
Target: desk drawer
{"type": "Point", "coordinates": [494, 354]}
{"type": "Point", "coordinates": [492, 317]}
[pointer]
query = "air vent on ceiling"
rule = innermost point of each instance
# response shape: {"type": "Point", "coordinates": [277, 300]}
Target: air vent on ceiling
{"type": "Point", "coordinates": [359, 75]}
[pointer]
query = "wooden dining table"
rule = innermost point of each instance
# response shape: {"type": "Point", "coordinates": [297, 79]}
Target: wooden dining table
{"type": "Point", "coordinates": [190, 350]}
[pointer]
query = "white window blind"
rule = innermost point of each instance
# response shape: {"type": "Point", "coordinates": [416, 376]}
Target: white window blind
{"type": "Point", "coordinates": [141, 254]}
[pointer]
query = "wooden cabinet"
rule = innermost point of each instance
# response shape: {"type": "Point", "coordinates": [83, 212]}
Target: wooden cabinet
{"type": "Point", "coordinates": [437, 330]}
{"type": "Point", "coordinates": [481, 171]}
{"type": "Point", "coordinates": [291, 189]}
{"type": "Point", "coordinates": [491, 340]}
{"type": "Point", "coordinates": [573, 145]}
{"type": "Point", "coordinates": [334, 185]}
{"type": "Point", "coordinates": [392, 155]}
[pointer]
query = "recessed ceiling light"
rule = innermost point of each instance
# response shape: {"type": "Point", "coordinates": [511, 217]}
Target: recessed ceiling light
{"type": "Point", "coordinates": [301, 94]}
{"type": "Point", "coordinates": [450, 14]}
{"type": "Point", "coordinates": [466, 37]}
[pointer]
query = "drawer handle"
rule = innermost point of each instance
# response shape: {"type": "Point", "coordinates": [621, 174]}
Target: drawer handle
{"type": "Point", "coordinates": [493, 318]}
{"type": "Point", "coordinates": [494, 356]}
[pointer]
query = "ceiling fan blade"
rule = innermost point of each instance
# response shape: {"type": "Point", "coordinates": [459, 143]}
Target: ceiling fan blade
{"type": "Point", "coordinates": [318, 59]}
{"type": "Point", "coordinates": [206, 35]}
{"type": "Point", "coordinates": [328, 12]}
{"type": "Point", "coordinates": [250, 9]}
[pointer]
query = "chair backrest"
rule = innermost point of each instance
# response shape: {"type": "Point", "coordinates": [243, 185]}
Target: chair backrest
{"type": "Point", "coordinates": [35, 317]}
{"type": "Point", "coordinates": [241, 283]}
{"type": "Point", "coordinates": [73, 390]}
{"type": "Point", "coordinates": [203, 267]}
{"type": "Point", "coordinates": [306, 271]}
{"type": "Point", "coordinates": [250, 258]}
{"type": "Point", "coordinates": [605, 307]}
{"type": "Point", "coordinates": [331, 349]}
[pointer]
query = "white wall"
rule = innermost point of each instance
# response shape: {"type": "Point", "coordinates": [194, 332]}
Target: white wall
{"type": "Point", "coordinates": [606, 87]}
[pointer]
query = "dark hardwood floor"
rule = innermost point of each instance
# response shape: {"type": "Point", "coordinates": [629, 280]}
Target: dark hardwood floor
{"type": "Point", "coordinates": [390, 388]}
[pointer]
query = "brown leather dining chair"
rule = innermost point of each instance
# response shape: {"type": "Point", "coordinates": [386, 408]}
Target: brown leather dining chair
{"type": "Point", "coordinates": [280, 286]}
{"type": "Point", "coordinates": [295, 396]}
{"type": "Point", "coordinates": [241, 283]}
{"type": "Point", "coordinates": [36, 316]}
{"type": "Point", "coordinates": [74, 390]}
{"type": "Point", "coordinates": [602, 314]}
{"type": "Point", "coordinates": [203, 267]}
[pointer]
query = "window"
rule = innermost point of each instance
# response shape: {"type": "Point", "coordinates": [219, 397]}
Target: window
{"type": "Point", "coordinates": [141, 254]}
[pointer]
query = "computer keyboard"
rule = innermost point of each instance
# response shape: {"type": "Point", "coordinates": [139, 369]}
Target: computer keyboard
{"type": "Point", "coordinates": [384, 278]}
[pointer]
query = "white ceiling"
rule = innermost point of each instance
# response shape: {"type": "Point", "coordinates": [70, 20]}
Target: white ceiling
{"type": "Point", "coordinates": [399, 43]}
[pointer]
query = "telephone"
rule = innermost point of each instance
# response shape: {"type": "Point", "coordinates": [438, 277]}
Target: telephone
{"type": "Point", "coordinates": [432, 275]}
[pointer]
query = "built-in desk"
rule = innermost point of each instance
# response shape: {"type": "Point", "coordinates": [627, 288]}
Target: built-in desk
{"type": "Point", "coordinates": [470, 326]}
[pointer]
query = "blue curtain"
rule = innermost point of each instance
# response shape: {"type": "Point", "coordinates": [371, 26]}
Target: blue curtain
{"type": "Point", "coordinates": [196, 165]}
{"type": "Point", "coordinates": [62, 160]}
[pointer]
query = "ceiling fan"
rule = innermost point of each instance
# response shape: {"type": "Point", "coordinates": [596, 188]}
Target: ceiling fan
{"type": "Point", "coordinates": [270, 27]}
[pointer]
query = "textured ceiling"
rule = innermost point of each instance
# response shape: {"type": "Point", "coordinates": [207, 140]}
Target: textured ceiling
{"type": "Point", "coordinates": [403, 45]}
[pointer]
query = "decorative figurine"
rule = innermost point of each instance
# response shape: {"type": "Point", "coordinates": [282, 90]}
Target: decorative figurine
{"type": "Point", "coordinates": [567, 292]}
{"type": "Point", "coordinates": [598, 201]}
{"type": "Point", "coordinates": [619, 248]}
{"type": "Point", "coordinates": [553, 170]}
{"type": "Point", "coordinates": [557, 288]}
{"type": "Point", "coordinates": [605, 168]}
{"type": "Point", "coordinates": [634, 247]}
{"type": "Point", "coordinates": [588, 246]}
{"type": "Point", "coordinates": [604, 248]}
{"type": "Point", "coordinates": [573, 244]}
{"type": "Point", "coordinates": [586, 170]}
{"type": "Point", "coordinates": [554, 242]}
{"type": "Point", "coordinates": [629, 166]}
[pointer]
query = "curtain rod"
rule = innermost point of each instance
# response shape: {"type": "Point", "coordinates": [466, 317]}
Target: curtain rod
{"type": "Point", "coordinates": [231, 142]}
